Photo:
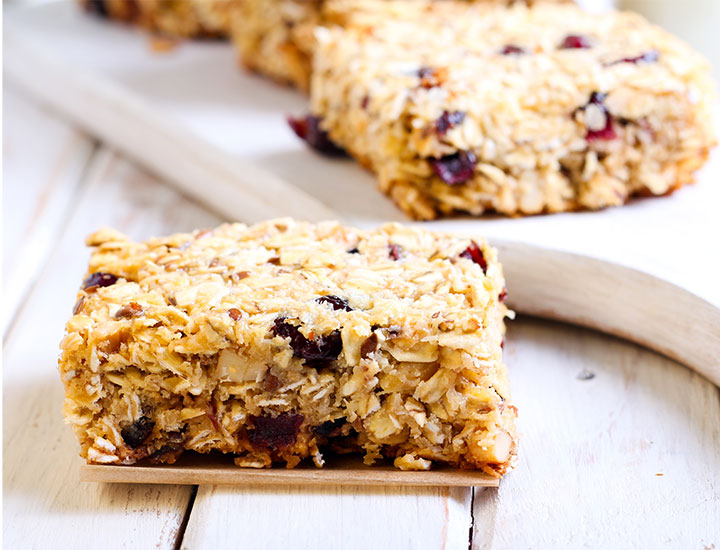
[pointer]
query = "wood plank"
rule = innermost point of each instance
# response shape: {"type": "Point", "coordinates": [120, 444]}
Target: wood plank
{"type": "Point", "coordinates": [44, 501]}
{"type": "Point", "coordinates": [625, 459]}
{"type": "Point", "coordinates": [329, 517]}
{"type": "Point", "coordinates": [43, 160]}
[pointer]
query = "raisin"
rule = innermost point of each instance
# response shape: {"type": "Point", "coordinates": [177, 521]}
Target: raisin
{"type": "Point", "coordinates": [354, 251]}
{"type": "Point", "coordinates": [320, 348]}
{"type": "Point", "coordinates": [336, 302]}
{"type": "Point", "coordinates": [331, 428]}
{"type": "Point", "coordinates": [234, 313]}
{"type": "Point", "coordinates": [575, 42]}
{"type": "Point", "coordinates": [369, 345]}
{"type": "Point", "coordinates": [455, 169]}
{"type": "Point", "coordinates": [394, 252]}
{"type": "Point", "coordinates": [475, 254]}
{"type": "Point", "coordinates": [365, 102]}
{"type": "Point", "coordinates": [447, 121]}
{"type": "Point", "coordinates": [271, 382]}
{"type": "Point", "coordinates": [274, 432]}
{"type": "Point", "coordinates": [98, 279]}
{"type": "Point", "coordinates": [97, 7]}
{"type": "Point", "coordinates": [308, 129]}
{"type": "Point", "coordinates": [512, 49]}
{"type": "Point", "coordinates": [136, 433]}
{"type": "Point", "coordinates": [648, 57]}
{"type": "Point", "coordinates": [598, 119]}
{"type": "Point", "coordinates": [128, 311]}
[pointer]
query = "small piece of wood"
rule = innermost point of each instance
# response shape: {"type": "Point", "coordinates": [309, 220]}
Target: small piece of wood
{"type": "Point", "coordinates": [194, 469]}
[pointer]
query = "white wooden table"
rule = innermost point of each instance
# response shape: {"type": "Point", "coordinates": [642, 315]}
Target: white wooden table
{"type": "Point", "coordinates": [629, 458]}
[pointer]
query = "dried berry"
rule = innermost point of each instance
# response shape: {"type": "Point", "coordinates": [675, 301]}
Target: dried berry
{"type": "Point", "coordinates": [448, 121]}
{"type": "Point", "coordinates": [336, 302]}
{"type": "Point", "coordinates": [648, 57]}
{"type": "Point", "coordinates": [308, 129]}
{"type": "Point", "coordinates": [320, 348]}
{"type": "Point", "coordinates": [97, 7]}
{"type": "Point", "coordinates": [575, 42]}
{"type": "Point", "coordinates": [394, 251]}
{"type": "Point", "coordinates": [431, 77]}
{"type": "Point", "coordinates": [475, 254]}
{"type": "Point", "coordinates": [354, 251]}
{"type": "Point", "coordinates": [369, 345]}
{"type": "Point", "coordinates": [365, 102]}
{"type": "Point", "coordinates": [234, 313]}
{"type": "Point", "coordinates": [502, 296]}
{"type": "Point", "coordinates": [274, 432]}
{"type": "Point", "coordinates": [598, 119]}
{"type": "Point", "coordinates": [455, 169]}
{"type": "Point", "coordinates": [98, 279]}
{"type": "Point", "coordinates": [136, 433]}
{"type": "Point", "coordinates": [128, 311]}
{"type": "Point", "coordinates": [271, 382]}
{"type": "Point", "coordinates": [331, 428]}
{"type": "Point", "coordinates": [512, 49]}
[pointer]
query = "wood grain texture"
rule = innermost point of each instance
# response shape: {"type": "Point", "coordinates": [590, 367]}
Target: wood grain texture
{"type": "Point", "coordinates": [43, 497]}
{"type": "Point", "coordinates": [230, 185]}
{"type": "Point", "coordinates": [341, 517]}
{"type": "Point", "coordinates": [43, 160]}
{"type": "Point", "coordinates": [619, 448]}
{"type": "Point", "coordinates": [614, 299]}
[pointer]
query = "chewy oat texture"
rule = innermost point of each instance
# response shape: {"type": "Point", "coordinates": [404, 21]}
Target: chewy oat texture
{"type": "Point", "coordinates": [522, 110]}
{"type": "Point", "coordinates": [173, 18]}
{"type": "Point", "coordinates": [280, 341]}
{"type": "Point", "coordinates": [276, 37]}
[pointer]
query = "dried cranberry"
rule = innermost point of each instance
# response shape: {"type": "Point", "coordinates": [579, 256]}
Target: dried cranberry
{"type": "Point", "coordinates": [336, 302]}
{"type": "Point", "coordinates": [99, 279]}
{"type": "Point", "coordinates": [598, 119]}
{"type": "Point", "coordinates": [512, 49]}
{"type": "Point", "coordinates": [308, 129]}
{"type": "Point", "coordinates": [136, 433]}
{"type": "Point", "coordinates": [331, 428]}
{"type": "Point", "coordinates": [320, 348]}
{"type": "Point", "coordinates": [447, 121]}
{"type": "Point", "coordinates": [394, 251]}
{"type": "Point", "coordinates": [648, 57]}
{"type": "Point", "coordinates": [455, 169]}
{"type": "Point", "coordinates": [274, 432]}
{"type": "Point", "coordinates": [502, 296]}
{"type": "Point", "coordinates": [475, 254]}
{"type": "Point", "coordinates": [575, 42]}
{"type": "Point", "coordinates": [234, 313]}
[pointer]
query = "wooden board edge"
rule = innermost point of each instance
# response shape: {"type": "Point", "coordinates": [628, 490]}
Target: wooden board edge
{"type": "Point", "coordinates": [233, 475]}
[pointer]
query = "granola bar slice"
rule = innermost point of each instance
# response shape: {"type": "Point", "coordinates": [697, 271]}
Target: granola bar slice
{"type": "Point", "coordinates": [276, 37]}
{"type": "Point", "coordinates": [178, 19]}
{"type": "Point", "coordinates": [279, 341]}
{"type": "Point", "coordinates": [519, 111]}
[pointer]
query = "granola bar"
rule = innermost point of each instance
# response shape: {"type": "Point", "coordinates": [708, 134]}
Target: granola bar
{"type": "Point", "coordinates": [276, 37]}
{"type": "Point", "coordinates": [179, 19]}
{"type": "Point", "coordinates": [280, 341]}
{"type": "Point", "coordinates": [519, 111]}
